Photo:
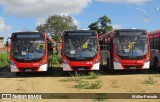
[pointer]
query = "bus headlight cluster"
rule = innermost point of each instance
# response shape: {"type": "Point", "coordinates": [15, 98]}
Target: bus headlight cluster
{"type": "Point", "coordinates": [65, 62]}
{"type": "Point", "coordinates": [117, 61]}
{"type": "Point", "coordinates": [43, 63]}
{"type": "Point", "coordinates": [96, 61]}
{"type": "Point", "coordinates": [147, 60]}
{"type": "Point", "coordinates": [12, 63]}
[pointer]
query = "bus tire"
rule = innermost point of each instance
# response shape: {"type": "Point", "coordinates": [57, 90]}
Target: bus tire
{"type": "Point", "coordinates": [18, 74]}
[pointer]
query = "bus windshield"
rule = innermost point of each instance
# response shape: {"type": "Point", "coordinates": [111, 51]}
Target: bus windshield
{"type": "Point", "coordinates": [131, 45]}
{"type": "Point", "coordinates": [28, 49]}
{"type": "Point", "coordinates": [80, 47]}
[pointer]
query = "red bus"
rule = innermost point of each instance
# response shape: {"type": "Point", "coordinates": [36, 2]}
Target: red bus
{"type": "Point", "coordinates": [154, 38]}
{"type": "Point", "coordinates": [29, 52]}
{"type": "Point", "coordinates": [80, 50]}
{"type": "Point", "coordinates": [125, 49]}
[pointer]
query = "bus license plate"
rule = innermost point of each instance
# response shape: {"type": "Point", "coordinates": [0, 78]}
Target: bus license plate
{"type": "Point", "coordinates": [81, 69]}
{"type": "Point", "coordinates": [132, 67]}
{"type": "Point", "coordinates": [28, 70]}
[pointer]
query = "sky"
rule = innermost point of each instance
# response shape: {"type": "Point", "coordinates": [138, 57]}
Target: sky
{"type": "Point", "coordinates": [25, 15]}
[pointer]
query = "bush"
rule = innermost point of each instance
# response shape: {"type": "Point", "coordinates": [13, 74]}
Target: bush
{"type": "Point", "coordinates": [56, 59]}
{"type": "Point", "coordinates": [149, 80]}
{"type": "Point", "coordinates": [86, 85]}
{"type": "Point", "coordinates": [4, 60]}
{"type": "Point", "coordinates": [92, 75]}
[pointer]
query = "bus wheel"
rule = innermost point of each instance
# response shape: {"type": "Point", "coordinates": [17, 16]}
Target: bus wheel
{"type": "Point", "coordinates": [18, 74]}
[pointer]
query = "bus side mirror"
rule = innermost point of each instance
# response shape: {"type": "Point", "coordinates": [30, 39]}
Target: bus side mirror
{"type": "Point", "coordinates": [7, 43]}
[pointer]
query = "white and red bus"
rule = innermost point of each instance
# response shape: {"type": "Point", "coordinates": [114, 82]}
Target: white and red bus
{"type": "Point", "coordinates": [29, 52]}
{"type": "Point", "coordinates": [125, 49]}
{"type": "Point", "coordinates": [80, 50]}
{"type": "Point", "coordinates": [154, 38]}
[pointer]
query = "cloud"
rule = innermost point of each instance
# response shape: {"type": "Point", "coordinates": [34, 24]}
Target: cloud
{"type": "Point", "coordinates": [137, 2]}
{"type": "Point", "coordinates": [117, 26]}
{"type": "Point", "coordinates": [3, 26]}
{"type": "Point", "coordinates": [146, 20]}
{"type": "Point", "coordinates": [40, 20]}
{"type": "Point", "coordinates": [77, 23]}
{"type": "Point", "coordinates": [43, 8]}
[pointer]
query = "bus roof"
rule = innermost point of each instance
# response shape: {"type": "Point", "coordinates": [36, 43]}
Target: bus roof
{"type": "Point", "coordinates": [121, 30]}
{"type": "Point", "coordinates": [80, 31]}
{"type": "Point", "coordinates": [154, 32]}
{"type": "Point", "coordinates": [130, 30]}
{"type": "Point", "coordinates": [50, 39]}
{"type": "Point", "coordinates": [27, 32]}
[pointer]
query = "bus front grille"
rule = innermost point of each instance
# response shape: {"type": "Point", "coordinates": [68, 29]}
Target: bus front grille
{"type": "Point", "coordinates": [81, 67]}
{"type": "Point", "coordinates": [132, 66]}
{"type": "Point", "coordinates": [28, 69]}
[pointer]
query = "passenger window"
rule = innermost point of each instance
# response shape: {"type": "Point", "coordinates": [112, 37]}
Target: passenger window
{"type": "Point", "coordinates": [151, 43]}
{"type": "Point", "coordinates": [156, 43]}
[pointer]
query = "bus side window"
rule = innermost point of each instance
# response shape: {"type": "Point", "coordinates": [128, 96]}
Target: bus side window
{"type": "Point", "coordinates": [156, 43]}
{"type": "Point", "coordinates": [151, 43]}
{"type": "Point", "coordinates": [107, 43]}
{"type": "Point", "coordinates": [101, 44]}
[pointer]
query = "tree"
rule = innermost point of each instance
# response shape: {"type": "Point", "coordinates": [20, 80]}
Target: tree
{"type": "Point", "coordinates": [55, 25]}
{"type": "Point", "coordinates": [103, 25]}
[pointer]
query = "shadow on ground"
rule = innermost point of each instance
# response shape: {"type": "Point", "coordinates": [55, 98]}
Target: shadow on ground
{"type": "Point", "coordinates": [58, 72]}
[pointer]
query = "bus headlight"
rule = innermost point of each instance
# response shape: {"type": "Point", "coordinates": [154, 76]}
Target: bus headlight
{"type": "Point", "coordinates": [12, 63]}
{"type": "Point", "coordinates": [43, 63]}
{"type": "Point", "coordinates": [117, 61]}
{"type": "Point", "coordinates": [147, 60]}
{"type": "Point", "coordinates": [65, 62]}
{"type": "Point", "coordinates": [96, 61]}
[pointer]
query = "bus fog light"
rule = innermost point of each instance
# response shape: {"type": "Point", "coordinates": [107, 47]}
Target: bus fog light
{"type": "Point", "coordinates": [12, 63]}
{"type": "Point", "coordinates": [65, 62]}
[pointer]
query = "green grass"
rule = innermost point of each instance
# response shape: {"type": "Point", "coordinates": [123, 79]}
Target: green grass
{"type": "Point", "coordinates": [94, 85]}
{"type": "Point", "coordinates": [66, 80]}
{"type": "Point", "coordinates": [4, 60]}
{"type": "Point", "coordinates": [92, 75]}
{"type": "Point", "coordinates": [86, 85]}
{"type": "Point", "coordinates": [81, 84]}
{"type": "Point", "coordinates": [149, 80]}
{"type": "Point", "coordinates": [82, 81]}
{"type": "Point", "coordinates": [75, 76]}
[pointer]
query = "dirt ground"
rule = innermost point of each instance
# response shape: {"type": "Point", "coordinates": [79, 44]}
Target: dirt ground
{"type": "Point", "coordinates": [118, 82]}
